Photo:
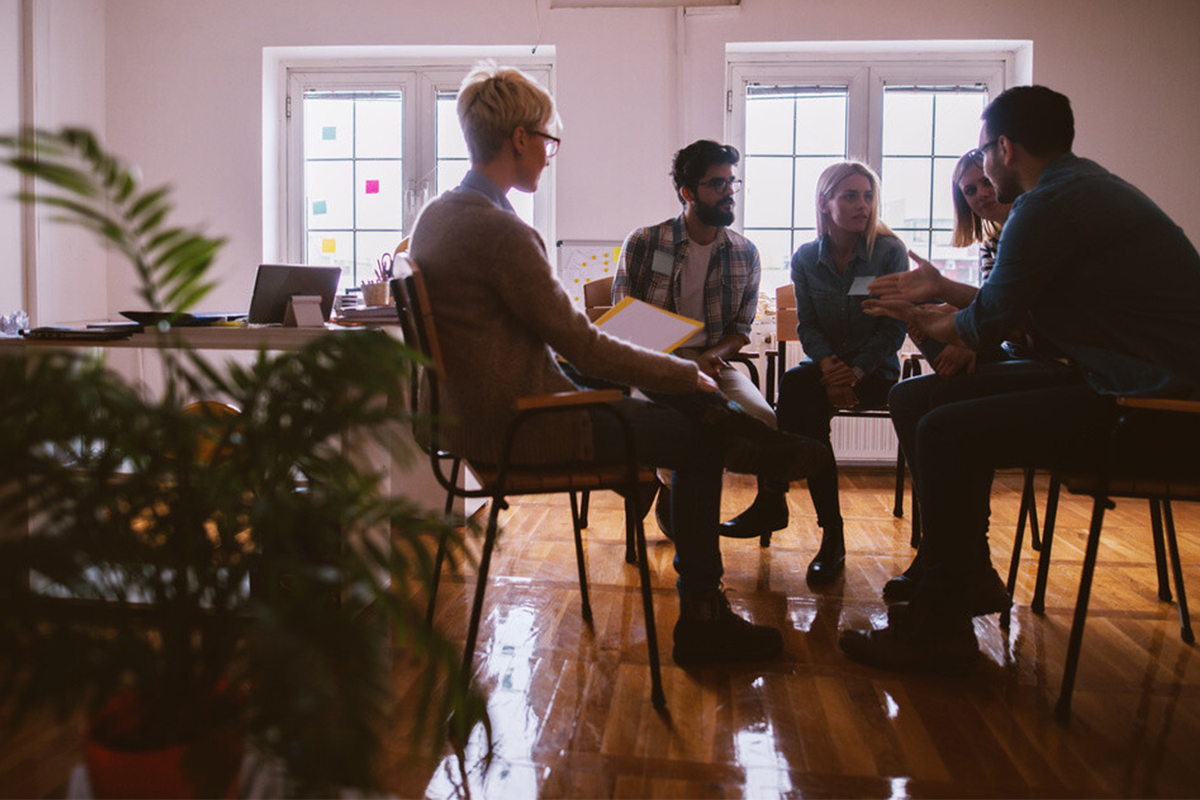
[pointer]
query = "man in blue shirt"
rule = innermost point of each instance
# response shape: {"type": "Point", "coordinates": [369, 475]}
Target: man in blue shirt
{"type": "Point", "coordinates": [1105, 283]}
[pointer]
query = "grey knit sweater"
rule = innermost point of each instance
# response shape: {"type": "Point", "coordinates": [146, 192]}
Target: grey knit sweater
{"type": "Point", "coordinates": [499, 311]}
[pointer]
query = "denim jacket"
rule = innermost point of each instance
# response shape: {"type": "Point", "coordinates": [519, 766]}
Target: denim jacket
{"type": "Point", "coordinates": [831, 322]}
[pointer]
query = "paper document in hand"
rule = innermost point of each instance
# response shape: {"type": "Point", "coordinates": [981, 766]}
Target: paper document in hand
{"type": "Point", "coordinates": [646, 325]}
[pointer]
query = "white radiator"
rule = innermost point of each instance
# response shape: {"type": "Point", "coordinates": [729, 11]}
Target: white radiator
{"type": "Point", "coordinates": [864, 440]}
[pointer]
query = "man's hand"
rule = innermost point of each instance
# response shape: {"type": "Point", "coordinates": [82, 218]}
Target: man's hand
{"type": "Point", "coordinates": [704, 383]}
{"type": "Point", "coordinates": [954, 360]}
{"type": "Point", "coordinates": [841, 396]}
{"type": "Point", "coordinates": [835, 373]}
{"type": "Point", "coordinates": [711, 363]}
{"type": "Point", "coordinates": [918, 285]}
{"type": "Point", "coordinates": [934, 321]}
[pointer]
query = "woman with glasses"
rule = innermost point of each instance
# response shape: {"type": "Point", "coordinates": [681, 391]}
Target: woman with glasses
{"type": "Point", "coordinates": [850, 357]}
{"type": "Point", "coordinates": [502, 317]}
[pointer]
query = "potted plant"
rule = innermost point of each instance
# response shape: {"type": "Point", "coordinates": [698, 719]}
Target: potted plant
{"type": "Point", "coordinates": [194, 580]}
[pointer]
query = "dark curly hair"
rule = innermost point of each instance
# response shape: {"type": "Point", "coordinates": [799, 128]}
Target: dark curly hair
{"type": "Point", "coordinates": [693, 161]}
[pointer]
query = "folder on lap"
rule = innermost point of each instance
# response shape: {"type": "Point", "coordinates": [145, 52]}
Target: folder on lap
{"type": "Point", "coordinates": [646, 325]}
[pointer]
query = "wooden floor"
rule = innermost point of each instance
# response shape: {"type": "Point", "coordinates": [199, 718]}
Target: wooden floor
{"type": "Point", "coordinates": [571, 705]}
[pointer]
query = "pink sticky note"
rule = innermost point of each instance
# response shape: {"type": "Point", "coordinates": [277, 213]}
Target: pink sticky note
{"type": "Point", "coordinates": [372, 187]}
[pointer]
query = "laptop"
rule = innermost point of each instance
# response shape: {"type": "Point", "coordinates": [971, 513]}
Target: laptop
{"type": "Point", "coordinates": [275, 284]}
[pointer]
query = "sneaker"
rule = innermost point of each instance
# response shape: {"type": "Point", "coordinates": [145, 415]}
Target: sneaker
{"type": "Point", "coordinates": [991, 594]}
{"type": "Point", "coordinates": [662, 511]}
{"type": "Point", "coordinates": [767, 514]}
{"type": "Point", "coordinates": [708, 632]}
{"type": "Point", "coordinates": [913, 642]}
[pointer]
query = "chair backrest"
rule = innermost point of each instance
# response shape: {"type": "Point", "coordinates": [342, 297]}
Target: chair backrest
{"type": "Point", "coordinates": [416, 313]}
{"type": "Point", "coordinates": [597, 297]}
{"type": "Point", "coordinates": [785, 314]}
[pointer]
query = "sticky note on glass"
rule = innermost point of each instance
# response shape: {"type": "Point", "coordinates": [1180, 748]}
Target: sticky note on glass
{"type": "Point", "coordinates": [329, 133]}
{"type": "Point", "coordinates": [318, 207]}
{"type": "Point", "coordinates": [329, 245]}
{"type": "Point", "coordinates": [372, 187]}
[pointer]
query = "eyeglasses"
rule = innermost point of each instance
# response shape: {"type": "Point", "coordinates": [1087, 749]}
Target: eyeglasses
{"type": "Point", "coordinates": [976, 155]}
{"type": "Point", "coordinates": [719, 185]}
{"type": "Point", "coordinates": [552, 143]}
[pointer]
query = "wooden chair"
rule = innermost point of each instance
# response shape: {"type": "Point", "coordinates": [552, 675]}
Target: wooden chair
{"type": "Point", "coordinates": [499, 481]}
{"type": "Point", "coordinates": [1109, 480]}
{"type": "Point", "coordinates": [786, 323]}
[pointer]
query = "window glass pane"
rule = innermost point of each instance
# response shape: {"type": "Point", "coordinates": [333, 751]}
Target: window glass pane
{"type": "Point", "coordinates": [450, 174]}
{"type": "Point", "coordinates": [369, 249]}
{"type": "Point", "coordinates": [328, 126]}
{"type": "Point", "coordinates": [450, 141]}
{"type": "Point", "coordinates": [943, 201]}
{"type": "Point", "coordinates": [821, 125]}
{"type": "Point", "coordinates": [334, 249]}
{"type": "Point", "coordinates": [767, 192]}
{"type": "Point", "coordinates": [378, 190]}
{"type": "Point", "coordinates": [956, 263]}
{"type": "Point", "coordinates": [329, 195]}
{"type": "Point", "coordinates": [769, 125]}
{"type": "Point", "coordinates": [808, 170]}
{"type": "Point", "coordinates": [907, 122]}
{"type": "Point", "coordinates": [377, 129]}
{"type": "Point", "coordinates": [522, 203]}
{"type": "Point", "coordinates": [958, 123]}
{"type": "Point", "coordinates": [905, 189]}
{"type": "Point", "coordinates": [774, 248]}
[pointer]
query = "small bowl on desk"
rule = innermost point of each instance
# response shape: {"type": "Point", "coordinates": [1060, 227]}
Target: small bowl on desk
{"type": "Point", "coordinates": [376, 293]}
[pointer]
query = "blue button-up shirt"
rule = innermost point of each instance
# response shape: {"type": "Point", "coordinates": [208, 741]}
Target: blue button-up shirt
{"type": "Point", "coordinates": [1107, 278]}
{"type": "Point", "coordinates": [831, 322]}
{"type": "Point", "coordinates": [653, 258]}
{"type": "Point", "coordinates": [475, 182]}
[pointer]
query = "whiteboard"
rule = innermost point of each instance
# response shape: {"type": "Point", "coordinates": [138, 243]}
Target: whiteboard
{"type": "Point", "coordinates": [583, 260]}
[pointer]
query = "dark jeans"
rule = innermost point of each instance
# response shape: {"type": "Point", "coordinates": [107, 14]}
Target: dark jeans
{"type": "Point", "coordinates": [674, 438]}
{"type": "Point", "coordinates": [804, 408]}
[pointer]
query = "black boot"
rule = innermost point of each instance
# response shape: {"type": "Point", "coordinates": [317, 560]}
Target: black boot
{"type": "Point", "coordinates": [767, 514]}
{"type": "Point", "coordinates": [662, 511]}
{"type": "Point", "coordinates": [903, 587]}
{"type": "Point", "coordinates": [830, 559]}
{"type": "Point", "coordinates": [708, 632]}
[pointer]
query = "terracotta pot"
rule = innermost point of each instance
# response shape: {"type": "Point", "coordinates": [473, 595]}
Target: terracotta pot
{"type": "Point", "coordinates": [161, 772]}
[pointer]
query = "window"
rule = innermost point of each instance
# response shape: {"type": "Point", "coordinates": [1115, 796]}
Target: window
{"type": "Point", "coordinates": [909, 121]}
{"type": "Point", "coordinates": [367, 147]}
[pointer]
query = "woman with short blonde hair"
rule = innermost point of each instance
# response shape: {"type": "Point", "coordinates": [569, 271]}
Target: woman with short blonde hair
{"type": "Point", "coordinates": [495, 100]}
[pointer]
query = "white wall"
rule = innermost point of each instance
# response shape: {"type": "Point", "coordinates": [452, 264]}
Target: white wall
{"type": "Point", "coordinates": [183, 90]}
{"type": "Point", "coordinates": [10, 106]}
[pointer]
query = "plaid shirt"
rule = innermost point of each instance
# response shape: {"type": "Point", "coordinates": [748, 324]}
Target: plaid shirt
{"type": "Point", "coordinates": [651, 261]}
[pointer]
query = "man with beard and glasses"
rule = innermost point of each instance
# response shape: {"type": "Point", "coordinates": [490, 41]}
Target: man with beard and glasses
{"type": "Point", "coordinates": [1109, 288]}
{"type": "Point", "coordinates": [695, 266]}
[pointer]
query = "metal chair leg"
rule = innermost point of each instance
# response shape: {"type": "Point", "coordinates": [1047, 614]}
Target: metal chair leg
{"type": "Point", "coordinates": [1014, 563]}
{"type": "Point", "coordinates": [583, 507]}
{"type": "Point", "coordinates": [631, 555]}
{"type": "Point", "coordinates": [1038, 606]}
{"type": "Point", "coordinates": [577, 525]}
{"type": "Point", "coordinates": [915, 541]}
{"type": "Point", "coordinates": [1185, 620]}
{"type": "Point", "coordinates": [898, 505]}
{"type": "Point", "coordinates": [1063, 708]}
{"type": "Point", "coordinates": [1035, 541]}
{"type": "Point", "coordinates": [436, 577]}
{"type": "Point", "coordinates": [1160, 557]}
{"type": "Point", "coordinates": [657, 697]}
{"type": "Point", "coordinates": [485, 560]}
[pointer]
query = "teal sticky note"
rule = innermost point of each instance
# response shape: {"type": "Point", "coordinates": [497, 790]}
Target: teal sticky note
{"type": "Point", "coordinates": [663, 262]}
{"type": "Point", "coordinates": [318, 207]}
{"type": "Point", "coordinates": [329, 133]}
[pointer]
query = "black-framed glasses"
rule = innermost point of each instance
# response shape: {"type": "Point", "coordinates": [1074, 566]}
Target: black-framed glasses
{"type": "Point", "coordinates": [976, 155]}
{"type": "Point", "coordinates": [719, 185]}
{"type": "Point", "coordinates": [552, 143]}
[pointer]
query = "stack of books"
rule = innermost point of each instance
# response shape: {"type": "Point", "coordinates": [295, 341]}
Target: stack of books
{"type": "Point", "coordinates": [375, 315]}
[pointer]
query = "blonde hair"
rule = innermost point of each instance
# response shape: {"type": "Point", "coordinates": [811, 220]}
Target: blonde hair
{"type": "Point", "coordinates": [827, 186]}
{"type": "Point", "coordinates": [969, 227]}
{"type": "Point", "coordinates": [493, 102]}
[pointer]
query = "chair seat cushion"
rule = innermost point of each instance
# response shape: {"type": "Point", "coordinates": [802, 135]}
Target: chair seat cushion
{"type": "Point", "coordinates": [541, 480]}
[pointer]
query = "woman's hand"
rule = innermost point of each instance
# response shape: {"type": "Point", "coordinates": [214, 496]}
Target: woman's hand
{"type": "Point", "coordinates": [916, 286]}
{"type": "Point", "coordinates": [954, 360]}
{"type": "Point", "coordinates": [835, 373]}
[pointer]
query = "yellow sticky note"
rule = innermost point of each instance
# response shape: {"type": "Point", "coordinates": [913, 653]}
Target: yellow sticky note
{"type": "Point", "coordinates": [329, 245]}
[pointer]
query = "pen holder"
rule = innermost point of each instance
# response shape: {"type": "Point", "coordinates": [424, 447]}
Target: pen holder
{"type": "Point", "coordinates": [376, 293]}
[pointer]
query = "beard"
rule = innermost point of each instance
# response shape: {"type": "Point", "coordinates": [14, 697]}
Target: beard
{"type": "Point", "coordinates": [717, 215]}
{"type": "Point", "coordinates": [1008, 187]}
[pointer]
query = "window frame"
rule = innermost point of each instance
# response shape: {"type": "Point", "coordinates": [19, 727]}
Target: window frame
{"type": "Point", "coordinates": [420, 80]}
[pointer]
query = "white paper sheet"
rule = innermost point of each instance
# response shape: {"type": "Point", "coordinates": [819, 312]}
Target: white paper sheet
{"type": "Point", "coordinates": [646, 325]}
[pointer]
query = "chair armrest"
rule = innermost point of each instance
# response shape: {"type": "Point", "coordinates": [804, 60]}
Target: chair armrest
{"type": "Point", "coordinates": [1160, 404]}
{"type": "Point", "coordinates": [567, 399]}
